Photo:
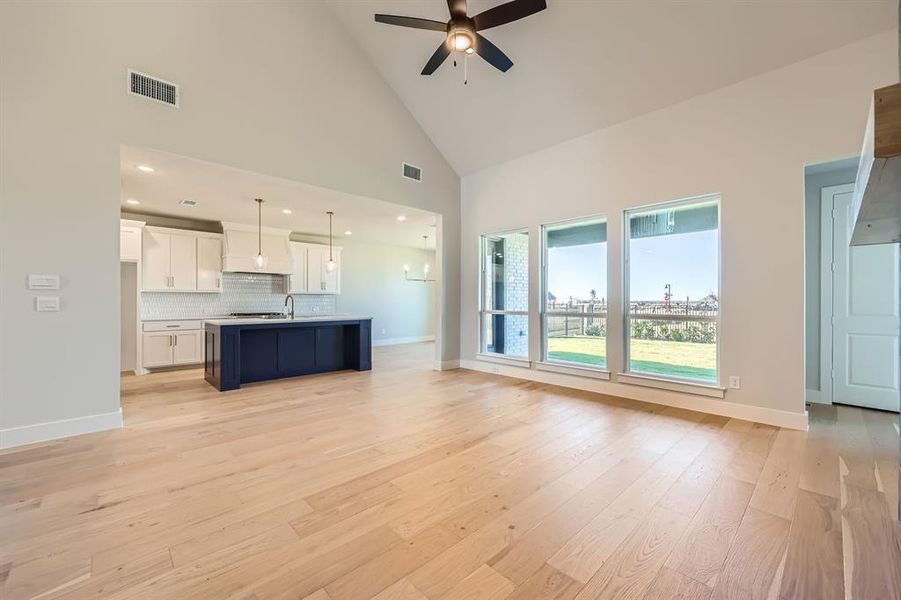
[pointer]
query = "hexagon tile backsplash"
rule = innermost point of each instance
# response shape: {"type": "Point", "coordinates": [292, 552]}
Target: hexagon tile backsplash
{"type": "Point", "coordinates": [241, 292]}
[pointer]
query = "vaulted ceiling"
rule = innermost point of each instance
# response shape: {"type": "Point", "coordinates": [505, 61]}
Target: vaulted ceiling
{"type": "Point", "coordinates": [582, 65]}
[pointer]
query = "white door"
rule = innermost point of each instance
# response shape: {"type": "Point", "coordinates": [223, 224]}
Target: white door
{"type": "Point", "coordinates": [186, 348]}
{"type": "Point", "coordinates": [157, 349]}
{"type": "Point", "coordinates": [865, 315]}
{"type": "Point", "coordinates": [209, 264]}
{"type": "Point", "coordinates": [155, 260]}
{"type": "Point", "coordinates": [183, 262]}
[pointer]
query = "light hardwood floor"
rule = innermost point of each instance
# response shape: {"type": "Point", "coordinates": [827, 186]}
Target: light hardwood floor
{"type": "Point", "coordinates": [405, 483]}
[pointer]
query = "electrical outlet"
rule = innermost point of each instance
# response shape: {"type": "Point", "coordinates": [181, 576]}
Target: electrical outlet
{"type": "Point", "coordinates": [735, 382]}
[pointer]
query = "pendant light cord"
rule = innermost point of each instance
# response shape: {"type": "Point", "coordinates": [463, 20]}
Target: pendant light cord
{"type": "Point", "coordinates": [330, 214]}
{"type": "Point", "coordinates": [259, 227]}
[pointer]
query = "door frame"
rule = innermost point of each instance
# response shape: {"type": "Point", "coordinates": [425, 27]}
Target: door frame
{"type": "Point", "coordinates": [827, 264]}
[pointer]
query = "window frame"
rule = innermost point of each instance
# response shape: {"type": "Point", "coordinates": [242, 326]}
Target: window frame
{"type": "Point", "coordinates": [627, 308]}
{"type": "Point", "coordinates": [482, 350]}
{"type": "Point", "coordinates": [542, 301]}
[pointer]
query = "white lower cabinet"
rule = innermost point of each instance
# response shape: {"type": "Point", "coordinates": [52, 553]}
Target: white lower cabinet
{"type": "Point", "coordinates": [170, 343]}
{"type": "Point", "coordinates": [156, 349]}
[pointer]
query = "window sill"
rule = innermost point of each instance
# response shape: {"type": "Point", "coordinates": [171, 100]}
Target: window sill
{"type": "Point", "coordinates": [573, 370]}
{"type": "Point", "coordinates": [500, 359]}
{"type": "Point", "coordinates": [674, 385]}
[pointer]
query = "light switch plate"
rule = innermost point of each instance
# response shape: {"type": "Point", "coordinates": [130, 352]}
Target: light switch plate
{"type": "Point", "coordinates": [46, 303]}
{"type": "Point", "coordinates": [43, 282]}
{"type": "Point", "coordinates": [735, 382]}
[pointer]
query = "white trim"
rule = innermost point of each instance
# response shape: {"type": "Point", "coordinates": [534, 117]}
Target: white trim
{"type": "Point", "coordinates": [827, 258]}
{"type": "Point", "coordinates": [769, 416]}
{"type": "Point", "coordinates": [814, 397]}
{"type": "Point", "coordinates": [447, 365]}
{"type": "Point", "coordinates": [504, 360]}
{"type": "Point", "coordinates": [403, 340]}
{"type": "Point", "coordinates": [577, 370]}
{"type": "Point", "coordinates": [688, 387]}
{"type": "Point", "coordinates": [52, 430]}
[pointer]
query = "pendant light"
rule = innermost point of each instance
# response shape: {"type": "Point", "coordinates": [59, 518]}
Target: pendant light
{"type": "Point", "coordinates": [425, 268]}
{"type": "Point", "coordinates": [331, 265]}
{"type": "Point", "coordinates": [260, 260]}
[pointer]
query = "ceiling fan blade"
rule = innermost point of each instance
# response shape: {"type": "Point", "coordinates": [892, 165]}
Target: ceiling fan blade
{"type": "Point", "coordinates": [492, 54]}
{"type": "Point", "coordinates": [457, 8]}
{"type": "Point", "coordinates": [505, 13]}
{"type": "Point", "coordinates": [414, 22]}
{"type": "Point", "coordinates": [440, 54]}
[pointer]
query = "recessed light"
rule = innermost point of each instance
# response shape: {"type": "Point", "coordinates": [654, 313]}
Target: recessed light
{"type": "Point", "coordinates": [133, 201]}
{"type": "Point", "coordinates": [348, 232]}
{"type": "Point", "coordinates": [287, 211]}
{"type": "Point", "coordinates": [145, 168]}
{"type": "Point", "coordinates": [189, 203]}
{"type": "Point", "coordinates": [401, 218]}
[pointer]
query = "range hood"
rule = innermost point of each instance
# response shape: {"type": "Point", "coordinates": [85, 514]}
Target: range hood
{"type": "Point", "coordinates": [240, 246]}
{"type": "Point", "coordinates": [877, 191]}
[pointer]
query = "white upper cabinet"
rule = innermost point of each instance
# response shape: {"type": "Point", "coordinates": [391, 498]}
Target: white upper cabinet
{"type": "Point", "coordinates": [310, 274]}
{"type": "Point", "coordinates": [297, 283]}
{"type": "Point", "coordinates": [155, 263]}
{"type": "Point", "coordinates": [209, 264]}
{"type": "Point", "coordinates": [175, 260]}
{"type": "Point", "coordinates": [130, 240]}
{"type": "Point", "coordinates": [183, 262]}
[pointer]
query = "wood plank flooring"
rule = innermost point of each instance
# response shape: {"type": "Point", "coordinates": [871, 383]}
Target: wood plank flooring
{"type": "Point", "coordinates": [409, 484]}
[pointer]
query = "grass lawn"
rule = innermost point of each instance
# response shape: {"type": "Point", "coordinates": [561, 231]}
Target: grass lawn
{"type": "Point", "coordinates": [673, 359]}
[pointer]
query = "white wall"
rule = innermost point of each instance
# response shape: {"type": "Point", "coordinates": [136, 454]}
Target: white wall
{"type": "Point", "coordinates": [748, 142]}
{"type": "Point", "coordinates": [271, 87]}
{"type": "Point", "coordinates": [128, 318]}
{"type": "Point", "coordinates": [372, 283]}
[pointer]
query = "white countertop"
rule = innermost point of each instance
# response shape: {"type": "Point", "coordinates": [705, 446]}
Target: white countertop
{"type": "Point", "coordinates": [298, 319]}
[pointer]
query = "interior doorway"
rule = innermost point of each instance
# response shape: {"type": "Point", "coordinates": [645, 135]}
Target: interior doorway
{"type": "Point", "coordinates": [859, 311]}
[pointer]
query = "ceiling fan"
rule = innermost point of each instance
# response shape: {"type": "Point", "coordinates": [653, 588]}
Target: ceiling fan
{"type": "Point", "coordinates": [462, 31]}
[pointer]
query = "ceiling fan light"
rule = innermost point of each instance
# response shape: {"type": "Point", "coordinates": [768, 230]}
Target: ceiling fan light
{"type": "Point", "coordinates": [460, 40]}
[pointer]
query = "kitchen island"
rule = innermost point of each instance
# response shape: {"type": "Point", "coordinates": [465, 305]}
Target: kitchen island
{"type": "Point", "coordinates": [247, 350]}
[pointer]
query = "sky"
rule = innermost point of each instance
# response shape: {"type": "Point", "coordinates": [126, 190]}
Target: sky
{"type": "Point", "coordinates": [688, 261]}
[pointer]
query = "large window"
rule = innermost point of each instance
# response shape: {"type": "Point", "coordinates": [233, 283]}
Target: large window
{"type": "Point", "coordinates": [574, 319]}
{"type": "Point", "coordinates": [505, 294]}
{"type": "Point", "coordinates": [672, 290]}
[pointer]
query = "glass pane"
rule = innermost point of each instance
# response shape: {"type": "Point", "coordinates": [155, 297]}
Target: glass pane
{"type": "Point", "coordinates": [505, 265]}
{"type": "Point", "coordinates": [506, 268]}
{"type": "Point", "coordinates": [674, 274]}
{"type": "Point", "coordinates": [682, 349]}
{"type": "Point", "coordinates": [581, 340]}
{"type": "Point", "coordinates": [506, 334]}
{"type": "Point", "coordinates": [576, 282]}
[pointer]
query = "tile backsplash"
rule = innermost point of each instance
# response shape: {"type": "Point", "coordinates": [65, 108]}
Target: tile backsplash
{"type": "Point", "coordinates": [241, 292]}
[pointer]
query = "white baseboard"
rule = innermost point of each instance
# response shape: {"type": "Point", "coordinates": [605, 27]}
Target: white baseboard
{"type": "Point", "coordinates": [403, 340]}
{"type": "Point", "coordinates": [52, 430]}
{"type": "Point", "coordinates": [715, 406]}
{"type": "Point", "coordinates": [447, 365]}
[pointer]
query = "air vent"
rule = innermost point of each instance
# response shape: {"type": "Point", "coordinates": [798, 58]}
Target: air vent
{"type": "Point", "coordinates": [411, 172]}
{"type": "Point", "coordinates": [153, 88]}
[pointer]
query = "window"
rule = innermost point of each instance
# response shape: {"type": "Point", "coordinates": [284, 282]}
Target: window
{"type": "Point", "coordinates": [574, 319]}
{"type": "Point", "coordinates": [672, 290]}
{"type": "Point", "coordinates": [505, 294]}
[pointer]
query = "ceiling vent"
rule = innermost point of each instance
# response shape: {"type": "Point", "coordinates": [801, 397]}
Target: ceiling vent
{"type": "Point", "coordinates": [141, 84]}
{"type": "Point", "coordinates": [411, 172]}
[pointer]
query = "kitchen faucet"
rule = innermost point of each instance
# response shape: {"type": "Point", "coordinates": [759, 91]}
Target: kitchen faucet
{"type": "Point", "coordinates": [291, 298]}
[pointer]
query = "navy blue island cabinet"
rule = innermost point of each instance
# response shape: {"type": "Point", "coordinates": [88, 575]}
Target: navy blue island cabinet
{"type": "Point", "coordinates": [247, 350]}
